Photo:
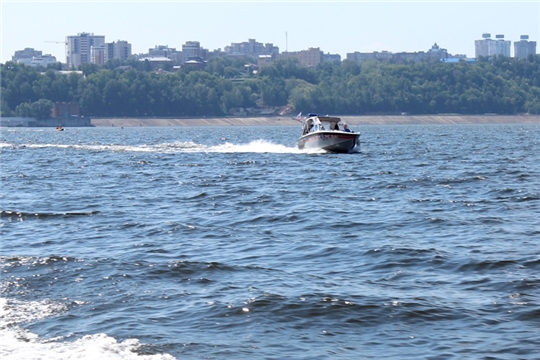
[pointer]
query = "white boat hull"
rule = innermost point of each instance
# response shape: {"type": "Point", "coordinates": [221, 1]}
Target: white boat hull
{"type": "Point", "coordinates": [332, 141]}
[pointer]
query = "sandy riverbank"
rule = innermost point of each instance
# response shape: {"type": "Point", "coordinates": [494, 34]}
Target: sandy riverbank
{"type": "Point", "coordinates": [353, 120]}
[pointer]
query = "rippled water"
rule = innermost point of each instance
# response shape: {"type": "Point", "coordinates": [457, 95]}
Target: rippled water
{"type": "Point", "coordinates": [228, 242]}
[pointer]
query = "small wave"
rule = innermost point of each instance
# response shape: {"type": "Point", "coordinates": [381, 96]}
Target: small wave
{"type": "Point", "coordinates": [475, 266]}
{"type": "Point", "coordinates": [18, 343]}
{"type": "Point", "coordinates": [40, 215]}
{"type": "Point", "coordinates": [34, 261]}
{"type": "Point", "coordinates": [456, 181]}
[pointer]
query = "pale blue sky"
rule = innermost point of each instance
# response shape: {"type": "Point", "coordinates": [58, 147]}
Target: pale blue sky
{"type": "Point", "coordinates": [334, 26]}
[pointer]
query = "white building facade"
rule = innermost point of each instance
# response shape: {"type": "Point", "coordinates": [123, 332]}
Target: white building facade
{"type": "Point", "coordinates": [32, 57]}
{"type": "Point", "coordinates": [79, 48]}
{"type": "Point", "coordinates": [489, 47]}
{"type": "Point", "coordinates": [523, 48]}
{"type": "Point", "coordinates": [27, 53]}
{"type": "Point", "coordinates": [251, 48]}
{"type": "Point", "coordinates": [97, 55]}
{"type": "Point", "coordinates": [120, 50]}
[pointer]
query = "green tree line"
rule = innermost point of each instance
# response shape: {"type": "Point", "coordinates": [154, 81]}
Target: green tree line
{"type": "Point", "coordinates": [501, 85]}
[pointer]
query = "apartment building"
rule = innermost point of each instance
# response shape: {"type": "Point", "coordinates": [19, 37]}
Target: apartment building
{"type": "Point", "coordinates": [251, 48]}
{"type": "Point", "coordinates": [27, 53]}
{"type": "Point", "coordinates": [192, 50]}
{"type": "Point", "coordinates": [359, 57]}
{"type": "Point", "coordinates": [32, 57]}
{"type": "Point", "coordinates": [488, 47]}
{"type": "Point", "coordinates": [120, 50]}
{"type": "Point", "coordinates": [79, 48]}
{"type": "Point", "coordinates": [97, 55]}
{"type": "Point", "coordinates": [310, 57]}
{"type": "Point", "coordinates": [523, 48]}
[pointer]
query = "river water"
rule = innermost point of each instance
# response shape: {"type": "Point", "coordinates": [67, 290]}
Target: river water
{"type": "Point", "coordinates": [229, 243]}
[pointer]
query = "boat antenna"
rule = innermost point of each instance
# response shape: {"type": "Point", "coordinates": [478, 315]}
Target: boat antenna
{"type": "Point", "coordinates": [286, 43]}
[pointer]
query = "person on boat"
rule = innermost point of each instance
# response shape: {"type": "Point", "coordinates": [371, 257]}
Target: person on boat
{"type": "Point", "coordinates": [346, 128]}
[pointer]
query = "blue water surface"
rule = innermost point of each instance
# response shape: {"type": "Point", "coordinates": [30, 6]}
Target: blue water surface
{"type": "Point", "coordinates": [227, 242]}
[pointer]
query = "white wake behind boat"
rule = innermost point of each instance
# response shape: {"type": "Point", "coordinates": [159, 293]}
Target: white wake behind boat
{"type": "Point", "coordinates": [327, 133]}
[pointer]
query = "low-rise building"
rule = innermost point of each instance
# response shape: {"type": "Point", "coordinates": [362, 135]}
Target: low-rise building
{"type": "Point", "coordinates": [263, 60]}
{"type": "Point", "coordinates": [41, 60]}
{"type": "Point", "coordinates": [251, 48]}
{"type": "Point", "coordinates": [331, 57]}
{"type": "Point", "coordinates": [435, 53]}
{"type": "Point", "coordinates": [157, 62]}
{"type": "Point", "coordinates": [310, 57]}
{"type": "Point", "coordinates": [32, 57]}
{"type": "Point", "coordinates": [359, 57]}
{"type": "Point", "coordinates": [65, 110]}
{"type": "Point", "coordinates": [26, 53]}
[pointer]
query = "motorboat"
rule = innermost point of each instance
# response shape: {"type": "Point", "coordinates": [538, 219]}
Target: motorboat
{"type": "Point", "coordinates": [328, 133]}
{"type": "Point", "coordinates": [59, 128]}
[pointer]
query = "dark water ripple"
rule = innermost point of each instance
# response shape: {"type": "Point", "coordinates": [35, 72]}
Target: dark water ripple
{"type": "Point", "coordinates": [227, 242]}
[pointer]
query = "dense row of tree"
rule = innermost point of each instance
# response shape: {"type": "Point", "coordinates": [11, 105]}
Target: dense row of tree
{"type": "Point", "coordinates": [501, 85]}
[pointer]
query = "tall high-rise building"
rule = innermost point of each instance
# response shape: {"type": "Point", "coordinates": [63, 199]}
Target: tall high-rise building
{"type": "Point", "coordinates": [488, 47]}
{"type": "Point", "coordinates": [79, 48]}
{"type": "Point", "coordinates": [120, 50]}
{"type": "Point", "coordinates": [193, 50]}
{"type": "Point", "coordinates": [524, 47]}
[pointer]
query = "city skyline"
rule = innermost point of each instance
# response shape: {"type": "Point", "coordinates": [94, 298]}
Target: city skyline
{"type": "Point", "coordinates": [335, 28]}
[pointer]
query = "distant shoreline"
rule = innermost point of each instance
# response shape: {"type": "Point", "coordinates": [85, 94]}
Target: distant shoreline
{"type": "Point", "coordinates": [289, 121]}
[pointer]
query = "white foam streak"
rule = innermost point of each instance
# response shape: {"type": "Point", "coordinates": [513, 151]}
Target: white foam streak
{"type": "Point", "coordinates": [17, 343]}
{"type": "Point", "coordinates": [257, 146]}
{"type": "Point", "coordinates": [87, 147]}
{"type": "Point", "coordinates": [14, 312]}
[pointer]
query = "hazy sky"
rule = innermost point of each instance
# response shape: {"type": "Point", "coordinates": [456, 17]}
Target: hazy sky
{"type": "Point", "coordinates": [336, 27]}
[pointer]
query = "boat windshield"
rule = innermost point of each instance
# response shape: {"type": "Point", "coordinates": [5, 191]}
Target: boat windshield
{"type": "Point", "coordinates": [315, 123]}
{"type": "Point", "coordinates": [312, 124]}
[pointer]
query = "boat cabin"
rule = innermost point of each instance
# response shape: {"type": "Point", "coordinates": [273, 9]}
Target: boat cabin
{"type": "Point", "coordinates": [319, 123]}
